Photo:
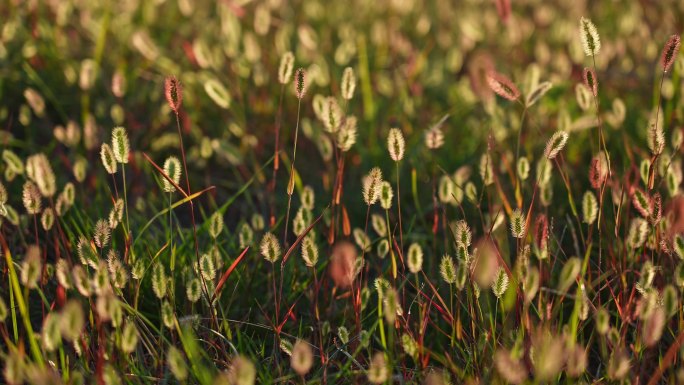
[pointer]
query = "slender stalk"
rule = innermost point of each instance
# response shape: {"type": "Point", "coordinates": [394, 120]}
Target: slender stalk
{"type": "Point", "coordinates": [290, 185]}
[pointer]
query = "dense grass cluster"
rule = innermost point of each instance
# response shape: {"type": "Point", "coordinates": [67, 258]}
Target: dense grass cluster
{"type": "Point", "coordinates": [310, 191]}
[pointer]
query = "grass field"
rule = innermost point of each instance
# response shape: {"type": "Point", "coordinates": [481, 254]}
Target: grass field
{"type": "Point", "coordinates": [335, 192]}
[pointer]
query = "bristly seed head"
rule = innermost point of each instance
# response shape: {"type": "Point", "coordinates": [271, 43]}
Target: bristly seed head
{"type": "Point", "coordinates": [517, 223]}
{"type": "Point", "coordinates": [172, 168]}
{"type": "Point", "coordinates": [300, 83]}
{"type": "Point", "coordinates": [396, 144]}
{"type": "Point", "coordinates": [502, 86]}
{"type": "Point", "coordinates": [590, 80]}
{"type": "Point", "coordinates": [589, 37]}
{"type": "Point", "coordinates": [371, 186]}
{"type": "Point", "coordinates": [173, 90]}
{"type": "Point", "coordinates": [415, 258]}
{"type": "Point", "coordinates": [285, 68]}
{"type": "Point", "coordinates": [589, 207]}
{"type": "Point", "coordinates": [108, 159]}
{"type": "Point", "coordinates": [120, 144]}
{"type": "Point", "coordinates": [348, 83]}
{"type": "Point", "coordinates": [555, 144]}
{"type": "Point", "coordinates": [270, 248]}
{"type": "Point", "coordinates": [670, 52]}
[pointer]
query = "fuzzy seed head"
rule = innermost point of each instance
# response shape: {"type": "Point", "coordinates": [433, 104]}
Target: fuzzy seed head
{"type": "Point", "coordinates": [172, 168]}
{"type": "Point", "coordinates": [246, 235]}
{"type": "Point", "coordinates": [309, 251]}
{"type": "Point", "coordinates": [591, 43]}
{"type": "Point", "coordinates": [372, 186]}
{"type": "Point", "coordinates": [300, 83]}
{"type": "Point", "coordinates": [241, 372]}
{"type": "Point", "coordinates": [173, 91]}
{"type": "Point", "coordinates": [177, 364]}
{"type": "Point", "coordinates": [216, 225]}
{"type": "Point", "coordinates": [447, 269]}
{"type": "Point", "coordinates": [108, 158]}
{"type": "Point", "coordinates": [31, 198]}
{"type": "Point", "coordinates": [286, 67]}
{"type": "Point", "coordinates": [332, 115]}
{"type": "Point", "coordinates": [218, 93]}
{"type": "Point", "coordinates": [540, 90]}
{"type": "Point", "coordinates": [348, 83]}
{"type": "Point", "coordinates": [346, 135]}
{"type": "Point", "coordinates": [415, 258]}
{"type": "Point", "coordinates": [378, 372]}
{"type": "Point", "coordinates": [386, 195]}
{"type": "Point", "coordinates": [270, 248]}
{"type": "Point", "coordinates": [102, 233]}
{"type": "Point", "coordinates": [589, 207]}
{"type": "Point", "coordinates": [486, 169]}
{"type": "Point", "coordinates": [129, 338]}
{"type": "Point", "coordinates": [555, 144]}
{"type": "Point", "coordinates": [463, 234]}
{"type": "Point", "coordinates": [72, 320]}
{"type": "Point", "coordinates": [642, 203]}
{"type": "Point", "coordinates": [517, 224]}
{"type": "Point", "coordinates": [31, 267]}
{"type": "Point", "coordinates": [39, 170]}
{"type": "Point", "coordinates": [120, 145]}
{"type": "Point", "coordinates": [655, 139]}
{"type": "Point", "coordinates": [523, 168]}
{"type": "Point", "coordinates": [396, 144]}
{"type": "Point", "coordinates": [159, 280]}
{"type": "Point", "coordinates": [502, 86]}
{"type": "Point", "coordinates": [194, 290]}
{"type": "Point", "coordinates": [638, 229]}
{"type": "Point", "coordinates": [500, 283]}
{"type": "Point", "coordinates": [670, 52]}
{"type": "Point", "coordinates": [301, 359]}
{"type": "Point", "coordinates": [434, 138]}
{"type": "Point", "coordinates": [590, 80]}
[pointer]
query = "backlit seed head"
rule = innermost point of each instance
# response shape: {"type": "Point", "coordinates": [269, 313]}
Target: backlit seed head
{"type": "Point", "coordinates": [13, 162]}
{"type": "Point", "coordinates": [583, 96]}
{"type": "Point", "coordinates": [286, 67]}
{"type": "Point", "coordinates": [270, 248]}
{"type": "Point", "coordinates": [159, 280]}
{"type": "Point", "coordinates": [391, 305]}
{"type": "Point", "coordinates": [216, 224]}
{"type": "Point", "coordinates": [47, 219]}
{"type": "Point", "coordinates": [569, 273]}
{"type": "Point", "coordinates": [415, 258]}
{"type": "Point", "coordinates": [523, 168]}
{"type": "Point", "coordinates": [39, 170]}
{"type": "Point", "coordinates": [555, 144]}
{"type": "Point", "coordinates": [396, 144]}
{"type": "Point", "coordinates": [129, 338]}
{"type": "Point", "coordinates": [378, 372]}
{"type": "Point", "coordinates": [177, 364]}
{"type": "Point", "coordinates": [100, 283]}
{"type": "Point", "coordinates": [434, 138]}
{"type": "Point", "coordinates": [348, 83]}
{"type": "Point", "coordinates": [3, 194]}
{"type": "Point", "coordinates": [31, 198]}
{"type": "Point", "coordinates": [678, 245]}
{"type": "Point", "coordinates": [500, 283]}
{"type": "Point", "coordinates": [669, 300]}
{"type": "Point", "coordinates": [309, 251]}
{"type": "Point", "coordinates": [242, 371]}
{"type": "Point", "coordinates": [246, 235]}
{"type": "Point", "coordinates": [257, 221]}
{"type": "Point", "coordinates": [517, 224]}
{"type": "Point", "coordinates": [447, 269]}
{"type": "Point", "coordinates": [540, 90]}
{"type": "Point", "coordinates": [512, 369]}
{"type": "Point", "coordinates": [652, 328]}
{"type": "Point", "coordinates": [173, 91]}
{"type": "Point", "coordinates": [591, 43]}
{"type": "Point", "coordinates": [589, 207]}
{"type": "Point", "coordinates": [168, 315]}
{"type": "Point", "coordinates": [80, 169]}
{"type": "Point", "coordinates": [486, 169]}
{"type": "Point", "coordinates": [346, 135]}
{"type": "Point", "coordinates": [655, 139]}
{"type": "Point", "coordinates": [446, 190]}
{"type": "Point", "coordinates": [670, 52]}
{"type": "Point", "coordinates": [598, 170]}
{"type": "Point", "coordinates": [462, 233]}
{"type": "Point", "coordinates": [307, 198]}
{"type": "Point", "coordinates": [372, 186]}
{"type": "Point", "coordinates": [194, 290]}
{"type": "Point", "coordinates": [63, 271]}
{"type": "Point", "coordinates": [218, 93]}
{"type": "Point", "coordinates": [108, 159]}
{"type": "Point", "coordinates": [383, 248]}
{"type": "Point", "coordinates": [642, 203]}
{"type": "Point", "coordinates": [72, 320]}
{"type": "Point", "coordinates": [117, 272]}
{"type": "Point", "coordinates": [301, 359]}
{"type": "Point", "coordinates": [332, 115]}
{"type": "Point", "coordinates": [409, 345]}
{"type": "Point", "coordinates": [386, 195]}
{"type": "Point", "coordinates": [116, 213]}
{"type": "Point", "coordinates": [362, 240]}
{"type": "Point", "coordinates": [531, 284]}
{"type": "Point", "coordinates": [502, 86]}
{"type": "Point", "coordinates": [102, 233]}
{"type": "Point", "coordinates": [31, 267]}
{"type": "Point", "coordinates": [379, 225]}
{"type": "Point", "coordinates": [81, 281]}
{"type": "Point", "coordinates": [120, 145]}
{"type": "Point", "coordinates": [172, 168]}
{"type": "Point", "coordinates": [300, 83]}
{"type": "Point", "coordinates": [638, 229]}
{"type": "Point", "coordinates": [589, 77]}
{"type": "Point", "coordinates": [207, 267]}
